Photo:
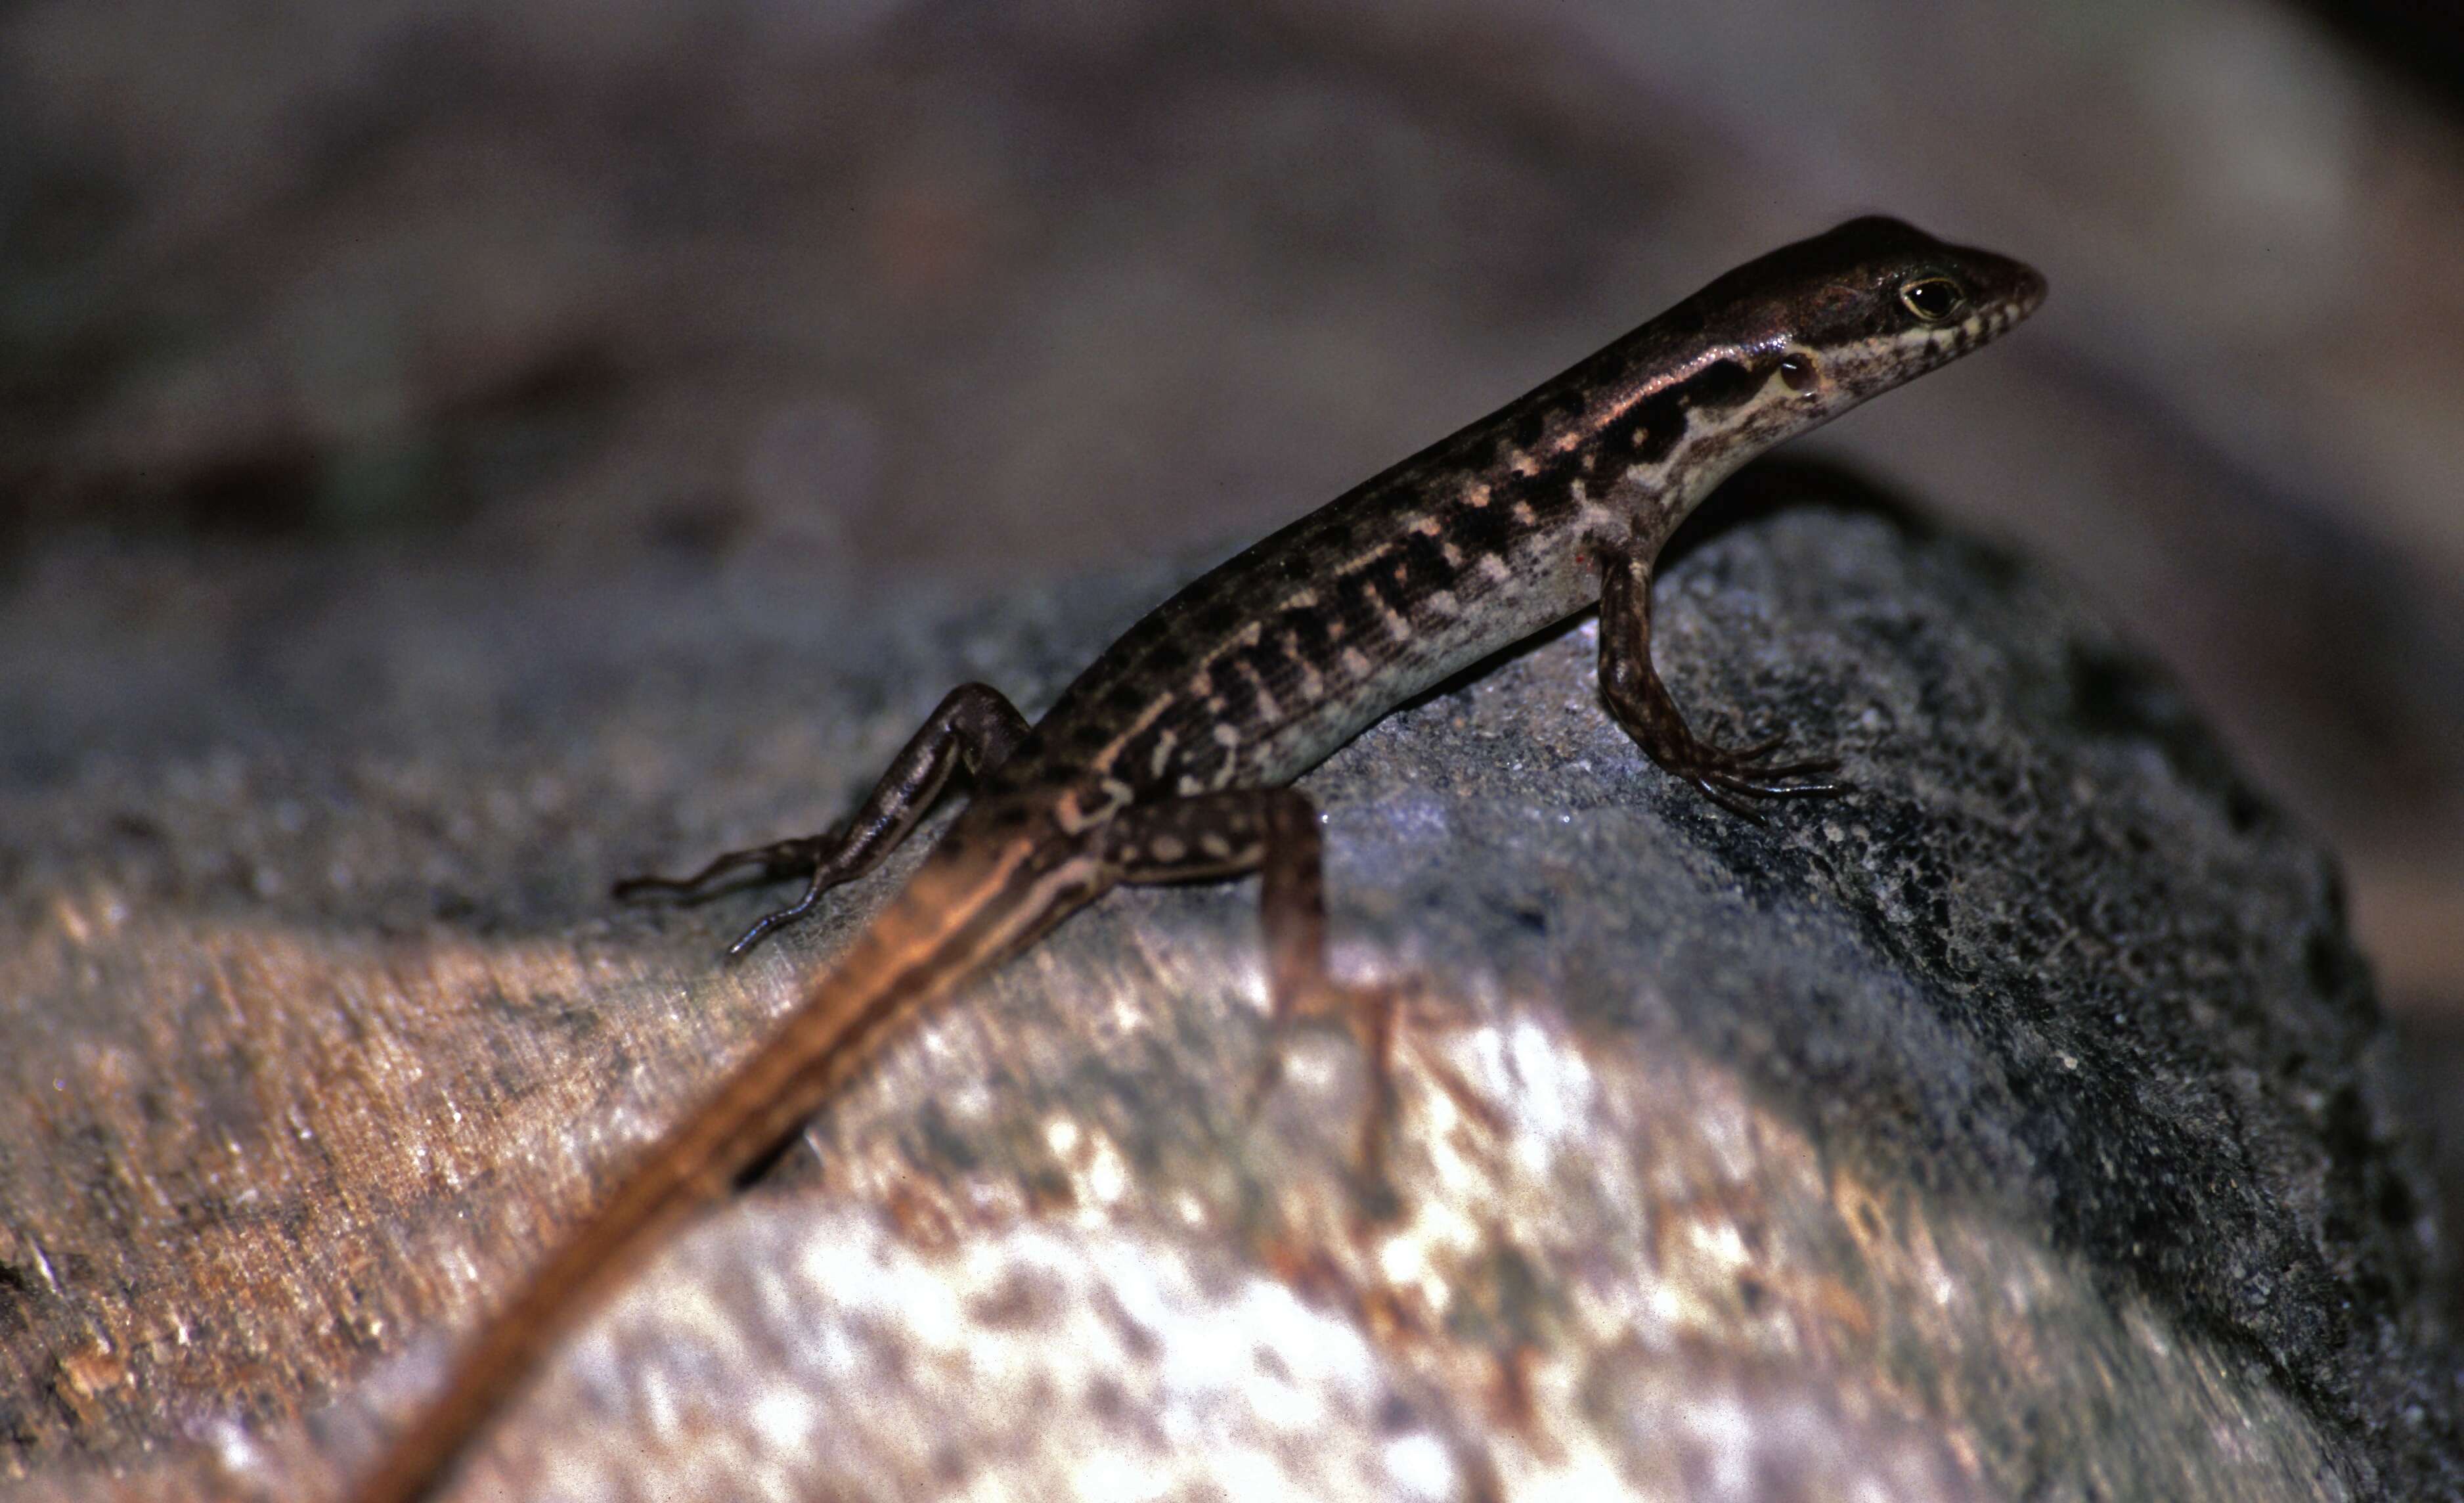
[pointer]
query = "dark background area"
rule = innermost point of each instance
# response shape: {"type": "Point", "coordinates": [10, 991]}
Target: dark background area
{"type": "Point", "coordinates": [739, 306]}
{"type": "Point", "coordinates": [2416, 39]}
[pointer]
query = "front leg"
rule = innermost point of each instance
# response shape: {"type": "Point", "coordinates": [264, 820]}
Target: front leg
{"type": "Point", "coordinates": [1640, 703]}
{"type": "Point", "coordinates": [974, 725]}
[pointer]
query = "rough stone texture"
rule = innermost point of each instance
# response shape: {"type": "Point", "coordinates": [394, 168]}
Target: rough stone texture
{"type": "Point", "coordinates": [2013, 1127]}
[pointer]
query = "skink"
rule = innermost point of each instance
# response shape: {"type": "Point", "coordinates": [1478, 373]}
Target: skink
{"type": "Point", "coordinates": [1170, 758]}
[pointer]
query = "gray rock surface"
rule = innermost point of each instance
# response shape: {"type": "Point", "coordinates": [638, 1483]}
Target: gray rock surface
{"type": "Point", "coordinates": [2012, 1127]}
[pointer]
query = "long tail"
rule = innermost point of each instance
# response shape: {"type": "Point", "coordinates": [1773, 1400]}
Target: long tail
{"type": "Point", "coordinates": [956, 917]}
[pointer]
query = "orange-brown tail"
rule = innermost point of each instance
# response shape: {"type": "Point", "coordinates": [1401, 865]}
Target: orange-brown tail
{"type": "Point", "coordinates": [957, 916]}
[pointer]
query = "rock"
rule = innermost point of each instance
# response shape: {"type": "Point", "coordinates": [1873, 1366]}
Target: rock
{"type": "Point", "coordinates": [2015, 1125]}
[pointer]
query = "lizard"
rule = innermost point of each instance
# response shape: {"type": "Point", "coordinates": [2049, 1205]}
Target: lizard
{"type": "Point", "coordinates": [1171, 758]}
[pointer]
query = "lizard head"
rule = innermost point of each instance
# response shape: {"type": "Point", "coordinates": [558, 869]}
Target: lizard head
{"type": "Point", "coordinates": [1858, 310]}
{"type": "Point", "coordinates": [1791, 340]}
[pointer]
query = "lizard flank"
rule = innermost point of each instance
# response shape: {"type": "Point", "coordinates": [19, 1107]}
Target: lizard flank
{"type": "Point", "coordinates": [1170, 758]}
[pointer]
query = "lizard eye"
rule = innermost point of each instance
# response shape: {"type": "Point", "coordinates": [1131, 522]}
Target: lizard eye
{"type": "Point", "coordinates": [1933, 298]}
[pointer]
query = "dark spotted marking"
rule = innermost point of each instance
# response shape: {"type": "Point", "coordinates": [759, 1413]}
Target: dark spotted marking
{"type": "Point", "coordinates": [1304, 628]}
{"type": "Point", "coordinates": [1267, 661]}
{"type": "Point", "coordinates": [1362, 608]}
{"type": "Point", "coordinates": [1660, 421]}
{"type": "Point", "coordinates": [1425, 558]}
{"type": "Point", "coordinates": [1135, 765]}
{"type": "Point", "coordinates": [1722, 384]}
{"type": "Point", "coordinates": [1717, 387]}
{"type": "Point", "coordinates": [1238, 690]}
{"type": "Point", "coordinates": [1608, 461]}
{"type": "Point", "coordinates": [1610, 455]}
{"type": "Point", "coordinates": [1550, 498]}
{"type": "Point", "coordinates": [1481, 529]}
{"type": "Point", "coordinates": [1508, 460]}
{"type": "Point", "coordinates": [1200, 760]}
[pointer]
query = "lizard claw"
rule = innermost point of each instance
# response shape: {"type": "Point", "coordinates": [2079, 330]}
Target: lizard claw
{"type": "Point", "coordinates": [1730, 774]}
{"type": "Point", "coordinates": [780, 859]}
{"type": "Point", "coordinates": [774, 919]}
{"type": "Point", "coordinates": [807, 857]}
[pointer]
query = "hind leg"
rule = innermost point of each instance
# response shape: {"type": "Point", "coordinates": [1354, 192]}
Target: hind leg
{"type": "Point", "coordinates": [1273, 832]}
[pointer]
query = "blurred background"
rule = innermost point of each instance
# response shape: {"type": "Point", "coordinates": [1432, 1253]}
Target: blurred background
{"type": "Point", "coordinates": [656, 314]}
